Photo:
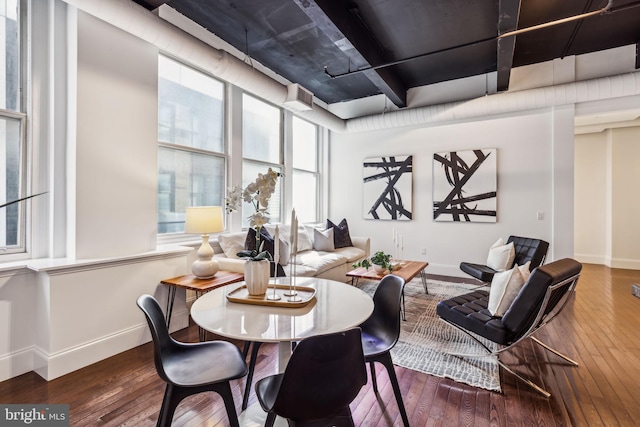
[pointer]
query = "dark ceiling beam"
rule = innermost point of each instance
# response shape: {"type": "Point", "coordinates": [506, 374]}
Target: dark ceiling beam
{"type": "Point", "coordinates": [348, 32]}
{"type": "Point", "coordinates": [151, 4]}
{"type": "Point", "coordinates": [508, 13]}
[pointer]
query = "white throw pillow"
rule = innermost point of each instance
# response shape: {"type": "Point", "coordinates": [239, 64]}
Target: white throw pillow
{"type": "Point", "coordinates": [501, 256]}
{"type": "Point", "coordinates": [284, 252]}
{"type": "Point", "coordinates": [231, 243]}
{"type": "Point", "coordinates": [304, 241]}
{"type": "Point", "coordinates": [504, 289]}
{"type": "Point", "coordinates": [524, 270]}
{"type": "Point", "coordinates": [323, 240]}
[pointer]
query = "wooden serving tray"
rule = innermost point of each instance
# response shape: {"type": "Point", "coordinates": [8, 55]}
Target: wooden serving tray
{"type": "Point", "coordinates": [241, 295]}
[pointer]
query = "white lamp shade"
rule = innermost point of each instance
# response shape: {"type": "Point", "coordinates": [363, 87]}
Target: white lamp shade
{"type": "Point", "coordinates": [204, 220]}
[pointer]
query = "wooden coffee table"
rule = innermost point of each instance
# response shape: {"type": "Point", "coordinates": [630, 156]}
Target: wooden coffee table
{"type": "Point", "coordinates": [407, 270]}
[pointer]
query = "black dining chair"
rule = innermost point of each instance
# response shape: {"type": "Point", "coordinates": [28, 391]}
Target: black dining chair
{"type": "Point", "coordinates": [380, 333]}
{"type": "Point", "coordinates": [191, 368]}
{"type": "Point", "coordinates": [323, 376]}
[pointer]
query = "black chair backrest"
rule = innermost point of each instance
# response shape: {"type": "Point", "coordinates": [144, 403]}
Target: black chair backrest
{"type": "Point", "coordinates": [162, 341]}
{"type": "Point", "coordinates": [524, 310]}
{"type": "Point", "coordinates": [527, 249]}
{"type": "Point", "coordinates": [325, 373]}
{"type": "Point", "coordinates": [385, 319]}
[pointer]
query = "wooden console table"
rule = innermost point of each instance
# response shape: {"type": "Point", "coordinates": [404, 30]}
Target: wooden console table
{"type": "Point", "coordinates": [200, 286]}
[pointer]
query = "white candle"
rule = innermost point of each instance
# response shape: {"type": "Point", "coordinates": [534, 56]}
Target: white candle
{"type": "Point", "coordinates": [293, 227]}
{"type": "Point", "coordinates": [276, 249]}
{"type": "Point", "coordinates": [295, 235]}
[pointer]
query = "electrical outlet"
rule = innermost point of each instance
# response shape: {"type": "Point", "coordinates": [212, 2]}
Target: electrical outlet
{"type": "Point", "coordinates": [423, 251]}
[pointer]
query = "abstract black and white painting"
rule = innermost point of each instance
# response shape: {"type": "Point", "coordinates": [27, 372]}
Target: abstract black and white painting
{"type": "Point", "coordinates": [388, 187]}
{"type": "Point", "coordinates": [465, 186]}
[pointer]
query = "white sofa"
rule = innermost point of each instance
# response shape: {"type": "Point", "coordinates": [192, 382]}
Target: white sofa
{"type": "Point", "coordinates": [309, 262]}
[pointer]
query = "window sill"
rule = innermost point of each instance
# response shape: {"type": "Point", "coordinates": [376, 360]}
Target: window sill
{"type": "Point", "coordinates": [65, 265]}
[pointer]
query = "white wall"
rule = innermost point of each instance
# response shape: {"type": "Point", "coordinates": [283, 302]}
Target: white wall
{"type": "Point", "coordinates": [62, 313]}
{"type": "Point", "coordinates": [625, 201]}
{"type": "Point", "coordinates": [606, 206]}
{"type": "Point", "coordinates": [116, 149]}
{"type": "Point", "coordinates": [526, 177]}
{"type": "Point", "coordinates": [589, 198]}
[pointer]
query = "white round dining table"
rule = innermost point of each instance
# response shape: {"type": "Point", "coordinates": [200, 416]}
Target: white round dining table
{"type": "Point", "coordinates": [336, 307]}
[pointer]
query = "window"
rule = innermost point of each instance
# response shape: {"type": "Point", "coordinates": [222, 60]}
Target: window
{"type": "Point", "coordinates": [191, 154]}
{"type": "Point", "coordinates": [261, 150]}
{"type": "Point", "coordinates": [12, 135]}
{"type": "Point", "coordinates": [305, 170]}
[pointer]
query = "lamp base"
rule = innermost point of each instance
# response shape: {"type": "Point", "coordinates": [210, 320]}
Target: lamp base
{"type": "Point", "coordinates": [205, 269]}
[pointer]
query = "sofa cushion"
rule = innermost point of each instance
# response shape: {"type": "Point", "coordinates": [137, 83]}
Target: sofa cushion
{"type": "Point", "coordinates": [341, 237]}
{"type": "Point", "coordinates": [351, 253]}
{"type": "Point", "coordinates": [231, 244]}
{"type": "Point", "coordinates": [323, 240]}
{"type": "Point", "coordinates": [302, 270]}
{"type": "Point", "coordinates": [319, 261]}
{"type": "Point", "coordinates": [304, 241]}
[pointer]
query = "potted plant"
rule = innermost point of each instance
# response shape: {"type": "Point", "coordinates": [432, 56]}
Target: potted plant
{"type": "Point", "coordinates": [380, 261]}
{"type": "Point", "coordinates": [258, 193]}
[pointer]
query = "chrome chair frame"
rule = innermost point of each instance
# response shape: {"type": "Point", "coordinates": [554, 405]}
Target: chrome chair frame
{"type": "Point", "coordinates": [549, 309]}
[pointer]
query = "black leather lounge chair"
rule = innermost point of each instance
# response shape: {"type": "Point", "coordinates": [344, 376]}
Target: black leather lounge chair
{"type": "Point", "coordinates": [534, 250]}
{"type": "Point", "coordinates": [542, 297]}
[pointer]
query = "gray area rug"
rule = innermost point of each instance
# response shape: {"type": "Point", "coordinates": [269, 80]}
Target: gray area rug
{"type": "Point", "coordinates": [426, 342]}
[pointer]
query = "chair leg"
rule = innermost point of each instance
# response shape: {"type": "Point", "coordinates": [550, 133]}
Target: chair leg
{"type": "Point", "coordinates": [530, 383]}
{"type": "Point", "coordinates": [168, 408]}
{"type": "Point", "coordinates": [554, 351]}
{"type": "Point", "coordinates": [271, 419]}
{"type": "Point", "coordinates": [224, 390]}
{"type": "Point", "coordinates": [386, 360]}
{"type": "Point", "coordinates": [245, 349]}
{"type": "Point", "coordinates": [173, 395]}
{"type": "Point", "coordinates": [373, 377]}
{"type": "Point", "coordinates": [252, 366]}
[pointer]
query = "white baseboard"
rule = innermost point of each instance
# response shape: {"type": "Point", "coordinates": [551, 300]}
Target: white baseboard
{"type": "Point", "coordinates": [51, 366]}
{"type": "Point", "coordinates": [590, 259]}
{"type": "Point", "coordinates": [629, 264]}
{"type": "Point", "coordinates": [16, 363]}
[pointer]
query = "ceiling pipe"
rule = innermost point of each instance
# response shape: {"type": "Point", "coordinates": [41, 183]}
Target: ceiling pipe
{"type": "Point", "coordinates": [557, 22]}
{"type": "Point", "coordinates": [138, 21]}
{"type": "Point", "coordinates": [605, 9]}
{"type": "Point", "coordinates": [503, 103]}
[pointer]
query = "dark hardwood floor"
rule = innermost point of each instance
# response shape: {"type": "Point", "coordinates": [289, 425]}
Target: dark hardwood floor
{"type": "Point", "coordinates": [599, 329]}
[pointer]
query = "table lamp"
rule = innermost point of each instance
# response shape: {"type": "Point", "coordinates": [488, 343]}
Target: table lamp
{"type": "Point", "coordinates": [204, 220]}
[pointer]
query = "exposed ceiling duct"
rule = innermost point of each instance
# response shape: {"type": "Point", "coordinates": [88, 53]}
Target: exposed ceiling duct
{"type": "Point", "coordinates": [569, 93]}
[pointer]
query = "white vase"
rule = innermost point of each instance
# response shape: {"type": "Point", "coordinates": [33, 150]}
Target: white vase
{"type": "Point", "coordinates": [256, 276]}
{"type": "Point", "coordinates": [379, 269]}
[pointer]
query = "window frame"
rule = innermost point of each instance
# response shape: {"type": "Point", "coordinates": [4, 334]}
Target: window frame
{"type": "Point", "coordinates": [281, 166]}
{"type": "Point", "coordinates": [317, 172]}
{"type": "Point", "coordinates": [21, 248]}
{"type": "Point", "coordinates": [177, 237]}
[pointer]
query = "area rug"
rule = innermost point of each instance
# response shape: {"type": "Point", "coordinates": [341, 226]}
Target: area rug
{"type": "Point", "coordinates": [426, 343]}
